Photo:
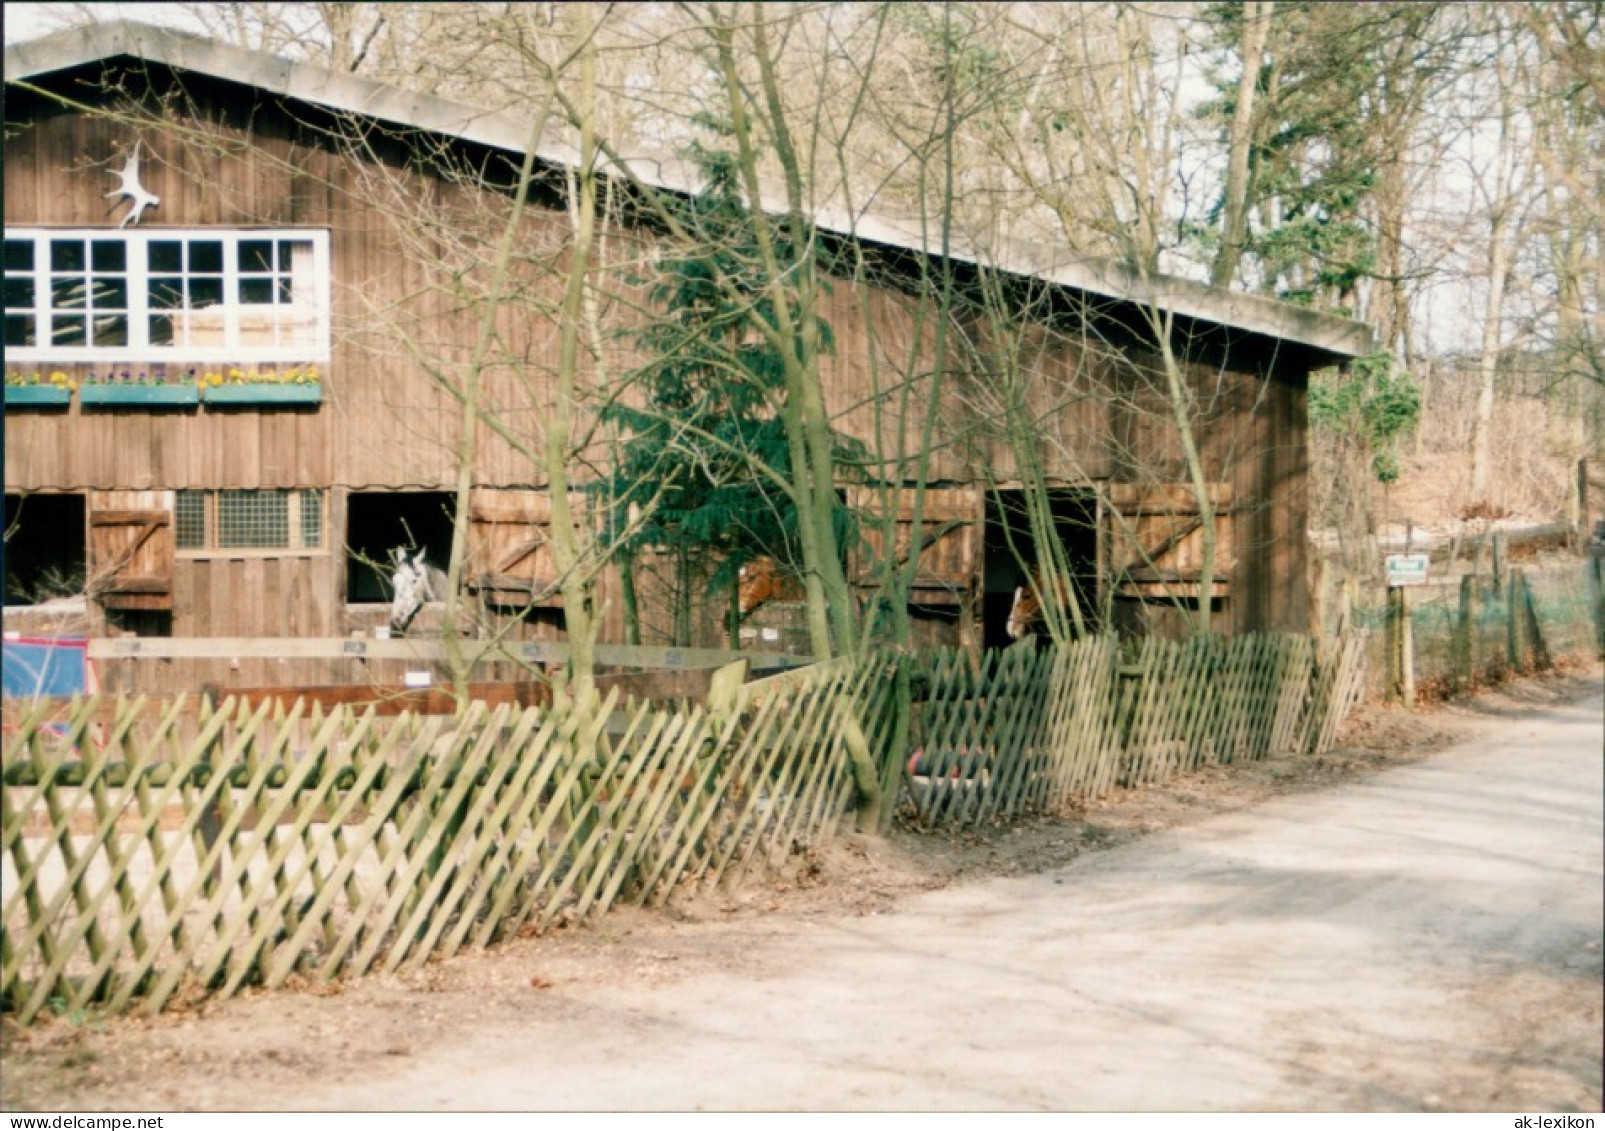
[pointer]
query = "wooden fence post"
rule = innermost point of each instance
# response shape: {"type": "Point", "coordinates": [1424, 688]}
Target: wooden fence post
{"type": "Point", "coordinates": [1465, 633]}
{"type": "Point", "coordinates": [1401, 646]}
{"type": "Point", "coordinates": [1535, 630]}
{"type": "Point", "coordinates": [211, 823]}
{"type": "Point", "coordinates": [1596, 574]}
{"type": "Point", "coordinates": [1581, 531]}
{"type": "Point", "coordinates": [1407, 649]}
{"type": "Point", "coordinates": [1513, 649]}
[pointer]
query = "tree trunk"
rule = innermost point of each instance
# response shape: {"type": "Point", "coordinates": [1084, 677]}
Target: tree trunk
{"type": "Point", "coordinates": [627, 598]}
{"type": "Point", "coordinates": [1256, 25]}
{"type": "Point", "coordinates": [581, 621]}
{"type": "Point", "coordinates": [459, 664]}
{"type": "Point", "coordinates": [1488, 362]}
{"type": "Point", "coordinates": [794, 333]}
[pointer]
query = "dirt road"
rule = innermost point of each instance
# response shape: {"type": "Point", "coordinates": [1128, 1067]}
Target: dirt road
{"type": "Point", "coordinates": [1427, 938]}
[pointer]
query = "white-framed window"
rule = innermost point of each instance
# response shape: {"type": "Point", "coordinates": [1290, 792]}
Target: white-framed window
{"type": "Point", "coordinates": [250, 521]}
{"type": "Point", "coordinates": [166, 295]}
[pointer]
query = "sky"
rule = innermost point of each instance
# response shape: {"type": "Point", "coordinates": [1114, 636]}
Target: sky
{"type": "Point", "coordinates": [30, 21]}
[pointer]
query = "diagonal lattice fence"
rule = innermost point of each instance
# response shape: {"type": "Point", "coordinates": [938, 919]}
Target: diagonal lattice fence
{"type": "Point", "coordinates": [153, 854]}
{"type": "Point", "coordinates": [1025, 730]}
{"type": "Point", "coordinates": [138, 864]}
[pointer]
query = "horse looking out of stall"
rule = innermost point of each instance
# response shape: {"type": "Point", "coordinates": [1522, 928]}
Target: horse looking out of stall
{"type": "Point", "coordinates": [1025, 616]}
{"type": "Point", "coordinates": [414, 583]}
{"type": "Point", "coordinates": [762, 580]}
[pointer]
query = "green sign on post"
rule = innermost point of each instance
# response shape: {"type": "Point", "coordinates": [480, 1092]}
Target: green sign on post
{"type": "Point", "coordinates": [1405, 569]}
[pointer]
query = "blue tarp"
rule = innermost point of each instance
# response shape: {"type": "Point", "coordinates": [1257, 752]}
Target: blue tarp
{"type": "Point", "coordinates": [34, 667]}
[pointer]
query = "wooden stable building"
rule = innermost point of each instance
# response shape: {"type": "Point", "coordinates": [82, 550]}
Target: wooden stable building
{"type": "Point", "coordinates": [255, 393]}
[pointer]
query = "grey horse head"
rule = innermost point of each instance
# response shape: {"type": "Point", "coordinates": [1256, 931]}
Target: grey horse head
{"type": "Point", "coordinates": [413, 582]}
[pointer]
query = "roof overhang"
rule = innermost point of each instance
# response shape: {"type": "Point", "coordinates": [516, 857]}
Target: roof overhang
{"type": "Point", "coordinates": [1330, 338]}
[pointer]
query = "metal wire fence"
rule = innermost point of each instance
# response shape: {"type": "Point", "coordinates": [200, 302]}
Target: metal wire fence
{"type": "Point", "coordinates": [1479, 629]}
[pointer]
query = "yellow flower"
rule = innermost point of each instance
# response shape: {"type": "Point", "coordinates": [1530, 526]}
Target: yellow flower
{"type": "Point", "coordinates": [72, 386]}
{"type": "Point", "coordinates": [214, 379]}
{"type": "Point", "coordinates": [58, 378]}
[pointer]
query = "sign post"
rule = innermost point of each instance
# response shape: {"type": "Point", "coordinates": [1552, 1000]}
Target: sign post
{"type": "Point", "coordinates": [1404, 572]}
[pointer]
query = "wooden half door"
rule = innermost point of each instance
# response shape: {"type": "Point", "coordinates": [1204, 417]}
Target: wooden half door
{"type": "Point", "coordinates": [510, 559]}
{"type": "Point", "coordinates": [131, 558]}
{"type": "Point", "coordinates": [949, 540]}
{"type": "Point", "coordinates": [1156, 540]}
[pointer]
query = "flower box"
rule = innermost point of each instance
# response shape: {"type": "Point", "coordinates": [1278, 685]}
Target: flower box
{"type": "Point", "coordinates": [37, 396]}
{"type": "Point", "coordinates": [265, 393]}
{"type": "Point", "coordinates": [140, 396]}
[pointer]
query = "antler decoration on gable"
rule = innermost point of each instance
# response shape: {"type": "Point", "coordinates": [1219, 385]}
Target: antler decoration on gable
{"type": "Point", "coordinates": [132, 189]}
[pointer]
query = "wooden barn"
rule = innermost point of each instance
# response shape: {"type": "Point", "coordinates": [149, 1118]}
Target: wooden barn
{"type": "Point", "coordinates": [225, 408]}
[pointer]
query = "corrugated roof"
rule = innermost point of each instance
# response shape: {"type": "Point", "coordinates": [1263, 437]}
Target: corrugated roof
{"type": "Point", "coordinates": [1328, 334]}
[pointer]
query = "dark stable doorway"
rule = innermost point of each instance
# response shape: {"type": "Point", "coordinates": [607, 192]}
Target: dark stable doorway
{"type": "Point", "coordinates": [377, 522]}
{"type": "Point", "coordinates": [1009, 541]}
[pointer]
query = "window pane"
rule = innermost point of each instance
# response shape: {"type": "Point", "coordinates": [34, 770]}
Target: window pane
{"type": "Point", "coordinates": [311, 519]}
{"type": "Point", "coordinates": [109, 255]}
{"type": "Point", "coordinates": [167, 255]}
{"type": "Point", "coordinates": [256, 292]}
{"type": "Point", "coordinates": [111, 294]}
{"type": "Point", "coordinates": [205, 292]}
{"type": "Point", "coordinates": [206, 257]}
{"type": "Point", "coordinates": [190, 517]}
{"type": "Point", "coordinates": [161, 330]}
{"type": "Point", "coordinates": [256, 256]}
{"type": "Point", "coordinates": [19, 291]}
{"type": "Point", "coordinates": [166, 293]}
{"type": "Point", "coordinates": [253, 519]}
{"type": "Point", "coordinates": [69, 292]}
{"type": "Point", "coordinates": [19, 330]}
{"type": "Point", "coordinates": [67, 255]}
{"type": "Point", "coordinates": [111, 331]}
{"type": "Point", "coordinates": [258, 327]}
{"type": "Point", "coordinates": [67, 330]}
{"type": "Point", "coordinates": [19, 255]}
{"type": "Point", "coordinates": [298, 331]}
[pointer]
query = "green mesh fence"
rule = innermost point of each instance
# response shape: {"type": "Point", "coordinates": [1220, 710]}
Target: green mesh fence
{"type": "Point", "coordinates": [1474, 631]}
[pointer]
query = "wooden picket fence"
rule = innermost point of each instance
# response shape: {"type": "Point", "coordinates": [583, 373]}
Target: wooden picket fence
{"type": "Point", "coordinates": [148, 856]}
{"type": "Point", "coordinates": [138, 866]}
{"type": "Point", "coordinates": [1030, 730]}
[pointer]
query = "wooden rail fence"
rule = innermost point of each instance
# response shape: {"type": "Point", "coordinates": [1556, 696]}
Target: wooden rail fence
{"type": "Point", "coordinates": [149, 855]}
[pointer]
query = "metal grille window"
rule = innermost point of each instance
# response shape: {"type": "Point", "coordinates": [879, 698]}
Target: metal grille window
{"type": "Point", "coordinates": [311, 517]}
{"type": "Point", "coordinates": [211, 295]}
{"type": "Point", "coordinates": [266, 519]}
{"type": "Point", "coordinates": [255, 520]}
{"type": "Point", "coordinates": [190, 518]}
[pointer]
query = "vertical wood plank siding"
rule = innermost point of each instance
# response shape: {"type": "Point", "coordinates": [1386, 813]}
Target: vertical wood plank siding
{"type": "Point", "coordinates": [386, 423]}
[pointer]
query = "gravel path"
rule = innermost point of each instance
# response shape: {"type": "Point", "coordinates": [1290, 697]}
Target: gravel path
{"type": "Point", "coordinates": [1427, 939]}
